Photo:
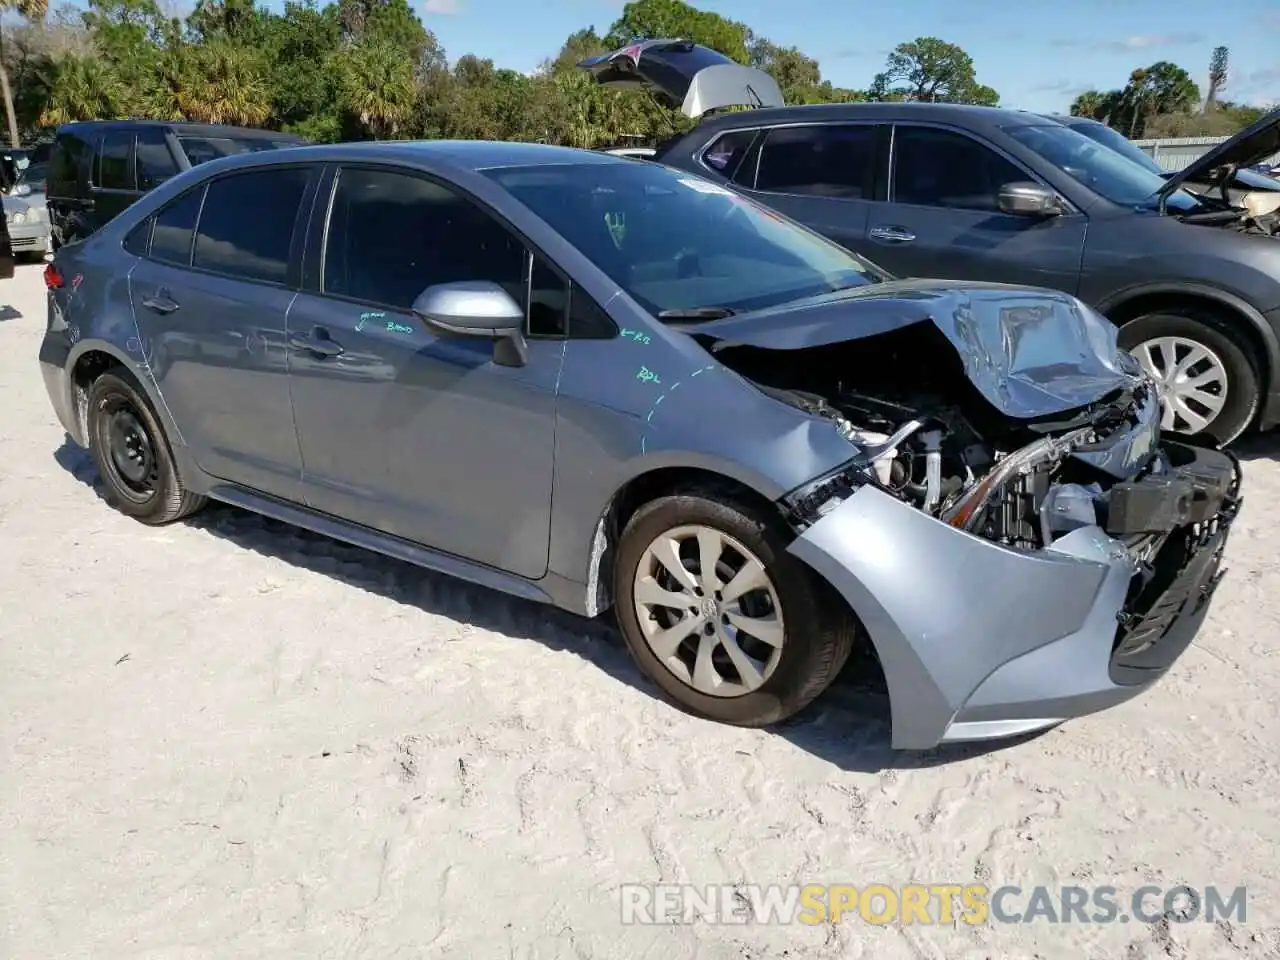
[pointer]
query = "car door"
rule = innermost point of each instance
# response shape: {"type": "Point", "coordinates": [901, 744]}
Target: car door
{"type": "Point", "coordinates": [821, 175]}
{"type": "Point", "coordinates": [410, 432]}
{"type": "Point", "coordinates": [210, 299]}
{"type": "Point", "coordinates": [113, 186]}
{"type": "Point", "coordinates": [942, 218]}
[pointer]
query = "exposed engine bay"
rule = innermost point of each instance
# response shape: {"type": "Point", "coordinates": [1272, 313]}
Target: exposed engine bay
{"type": "Point", "coordinates": [929, 437]}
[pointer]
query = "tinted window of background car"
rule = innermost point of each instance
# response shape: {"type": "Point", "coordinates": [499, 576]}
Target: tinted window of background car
{"type": "Point", "coordinates": [67, 159]}
{"type": "Point", "coordinates": [114, 172]}
{"type": "Point", "coordinates": [937, 168]}
{"type": "Point", "coordinates": [727, 152]}
{"type": "Point", "coordinates": [175, 224]}
{"type": "Point", "coordinates": [246, 227]}
{"type": "Point", "coordinates": [154, 161]}
{"type": "Point", "coordinates": [828, 161]}
{"type": "Point", "coordinates": [203, 149]}
{"type": "Point", "coordinates": [392, 235]}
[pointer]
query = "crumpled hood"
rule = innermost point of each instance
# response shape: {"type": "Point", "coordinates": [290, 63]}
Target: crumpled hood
{"type": "Point", "coordinates": [1030, 352]}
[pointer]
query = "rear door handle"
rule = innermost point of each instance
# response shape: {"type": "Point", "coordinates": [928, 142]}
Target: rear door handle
{"type": "Point", "coordinates": [318, 342]}
{"type": "Point", "coordinates": [891, 234]}
{"type": "Point", "coordinates": [161, 302]}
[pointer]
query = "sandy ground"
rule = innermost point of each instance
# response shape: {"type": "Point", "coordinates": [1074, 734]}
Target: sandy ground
{"type": "Point", "coordinates": [229, 738]}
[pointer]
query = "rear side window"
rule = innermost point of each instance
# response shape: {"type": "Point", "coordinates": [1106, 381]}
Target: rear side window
{"type": "Point", "coordinates": [726, 153]}
{"type": "Point", "coordinates": [115, 172]}
{"type": "Point", "coordinates": [70, 155]}
{"type": "Point", "coordinates": [246, 230]}
{"type": "Point", "coordinates": [175, 226]}
{"type": "Point", "coordinates": [826, 161]}
{"type": "Point", "coordinates": [155, 164]}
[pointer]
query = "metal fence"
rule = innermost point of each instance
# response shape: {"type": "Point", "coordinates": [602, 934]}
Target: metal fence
{"type": "Point", "coordinates": [1178, 153]}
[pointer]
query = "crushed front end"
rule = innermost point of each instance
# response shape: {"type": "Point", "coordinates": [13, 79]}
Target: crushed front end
{"type": "Point", "coordinates": [1019, 541]}
{"type": "Point", "coordinates": [1006, 592]}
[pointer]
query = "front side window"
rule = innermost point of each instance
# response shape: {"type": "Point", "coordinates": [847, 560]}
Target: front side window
{"type": "Point", "coordinates": [822, 161]}
{"type": "Point", "coordinates": [175, 228]}
{"type": "Point", "coordinates": [246, 226]}
{"type": "Point", "coordinates": [391, 235]}
{"type": "Point", "coordinates": [675, 241]}
{"type": "Point", "coordinates": [114, 169]}
{"type": "Point", "coordinates": [1101, 169]}
{"type": "Point", "coordinates": [939, 168]}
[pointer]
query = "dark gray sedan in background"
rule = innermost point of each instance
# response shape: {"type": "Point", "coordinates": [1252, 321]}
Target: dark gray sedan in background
{"type": "Point", "coordinates": [1192, 280]}
{"type": "Point", "coordinates": [599, 382]}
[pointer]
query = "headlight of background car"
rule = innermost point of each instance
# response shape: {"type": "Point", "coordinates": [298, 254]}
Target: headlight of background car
{"type": "Point", "coordinates": [17, 217]}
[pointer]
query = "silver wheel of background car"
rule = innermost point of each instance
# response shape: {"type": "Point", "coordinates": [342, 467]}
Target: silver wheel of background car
{"type": "Point", "coordinates": [1192, 380]}
{"type": "Point", "coordinates": [708, 610]}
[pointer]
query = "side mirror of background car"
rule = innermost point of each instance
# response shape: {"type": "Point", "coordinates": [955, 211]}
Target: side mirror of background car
{"type": "Point", "coordinates": [476, 308]}
{"type": "Point", "coordinates": [1026, 199]}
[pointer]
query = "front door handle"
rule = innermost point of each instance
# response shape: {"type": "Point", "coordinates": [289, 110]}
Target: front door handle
{"type": "Point", "coordinates": [318, 342]}
{"type": "Point", "coordinates": [891, 234]}
{"type": "Point", "coordinates": [161, 302]}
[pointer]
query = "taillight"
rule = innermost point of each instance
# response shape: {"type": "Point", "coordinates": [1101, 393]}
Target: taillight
{"type": "Point", "coordinates": [52, 278]}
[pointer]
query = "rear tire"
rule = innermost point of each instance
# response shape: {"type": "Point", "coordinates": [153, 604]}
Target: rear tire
{"type": "Point", "coordinates": [1225, 375]}
{"type": "Point", "coordinates": [133, 455]}
{"type": "Point", "coordinates": [752, 659]}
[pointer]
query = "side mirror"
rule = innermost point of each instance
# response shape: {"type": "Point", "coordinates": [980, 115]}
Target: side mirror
{"type": "Point", "coordinates": [476, 308]}
{"type": "Point", "coordinates": [1026, 199]}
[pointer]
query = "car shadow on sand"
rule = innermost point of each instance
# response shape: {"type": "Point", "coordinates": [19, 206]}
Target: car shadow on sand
{"type": "Point", "coordinates": [1258, 446]}
{"type": "Point", "coordinates": [848, 726]}
{"type": "Point", "coordinates": [8, 312]}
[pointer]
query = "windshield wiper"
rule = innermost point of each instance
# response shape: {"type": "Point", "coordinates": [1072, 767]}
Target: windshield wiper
{"type": "Point", "coordinates": [696, 313]}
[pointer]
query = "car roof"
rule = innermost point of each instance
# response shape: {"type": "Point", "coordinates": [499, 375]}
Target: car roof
{"type": "Point", "coordinates": [960, 114]}
{"type": "Point", "coordinates": [180, 128]}
{"type": "Point", "coordinates": [473, 155]}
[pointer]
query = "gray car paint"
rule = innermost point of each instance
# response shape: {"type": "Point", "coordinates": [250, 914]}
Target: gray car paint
{"type": "Point", "coordinates": [1110, 256]}
{"type": "Point", "coordinates": [592, 423]}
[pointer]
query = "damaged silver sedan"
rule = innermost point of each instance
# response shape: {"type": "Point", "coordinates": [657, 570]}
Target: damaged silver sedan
{"type": "Point", "coordinates": [600, 383]}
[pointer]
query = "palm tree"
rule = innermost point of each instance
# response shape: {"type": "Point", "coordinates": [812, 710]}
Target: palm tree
{"type": "Point", "coordinates": [230, 86]}
{"type": "Point", "coordinates": [31, 10]}
{"type": "Point", "coordinates": [83, 88]}
{"type": "Point", "coordinates": [377, 86]}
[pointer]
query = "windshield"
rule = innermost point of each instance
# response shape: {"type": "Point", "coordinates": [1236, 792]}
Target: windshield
{"type": "Point", "coordinates": [1104, 171]}
{"type": "Point", "coordinates": [203, 149]}
{"type": "Point", "coordinates": [1118, 142]}
{"type": "Point", "coordinates": [674, 241]}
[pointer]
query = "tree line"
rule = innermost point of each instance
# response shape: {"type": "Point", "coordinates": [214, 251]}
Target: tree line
{"type": "Point", "coordinates": [1163, 101]}
{"type": "Point", "coordinates": [370, 69]}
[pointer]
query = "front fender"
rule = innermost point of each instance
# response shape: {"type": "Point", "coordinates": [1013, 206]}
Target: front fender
{"type": "Point", "coordinates": [945, 609]}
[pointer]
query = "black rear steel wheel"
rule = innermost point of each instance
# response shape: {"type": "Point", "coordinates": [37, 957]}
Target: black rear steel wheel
{"type": "Point", "coordinates": [133, 455]}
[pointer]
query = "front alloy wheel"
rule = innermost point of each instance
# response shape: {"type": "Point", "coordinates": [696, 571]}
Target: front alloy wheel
{"type": "Point", "coordinates": [709, 611]}
{"type": "Point", "coordinates": [719, 614]}
{"type": "Point", "coordinates": [1192, 380]}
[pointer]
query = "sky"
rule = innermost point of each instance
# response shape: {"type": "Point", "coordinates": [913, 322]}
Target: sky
{"type": "Point", "coordinates": [1038, 54]}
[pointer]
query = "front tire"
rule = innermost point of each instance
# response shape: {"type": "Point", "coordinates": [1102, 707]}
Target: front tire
{"type": "Point", "coordinates": [717, 613]}
{"type": "Point", "coordinates": [133, 455]}
{"type": "Point", "coordinates": [1209, 383]}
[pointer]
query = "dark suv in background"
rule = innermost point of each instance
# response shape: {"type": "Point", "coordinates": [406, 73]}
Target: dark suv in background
{"type": "Point", "coordinates": [985, 194]}
{"type": "Point", "coordinates": [99, 167]}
